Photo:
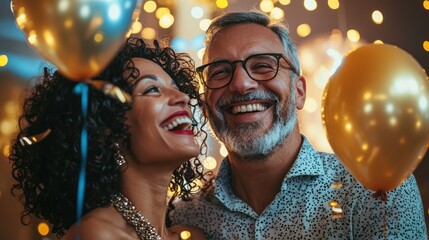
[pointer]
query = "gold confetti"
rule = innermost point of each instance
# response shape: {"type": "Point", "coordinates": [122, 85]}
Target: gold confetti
{"type": "Point", "coordinates": [27, 141]}
{"type": "Point", "coordinates": [111, 90]}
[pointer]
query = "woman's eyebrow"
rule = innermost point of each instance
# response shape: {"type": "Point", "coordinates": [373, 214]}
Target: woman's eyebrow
{"type": "Point", "coordinates": [150, 76]}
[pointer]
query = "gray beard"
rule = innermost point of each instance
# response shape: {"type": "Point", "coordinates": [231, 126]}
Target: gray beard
{"type": "Point", "coordinates": [243, 141]}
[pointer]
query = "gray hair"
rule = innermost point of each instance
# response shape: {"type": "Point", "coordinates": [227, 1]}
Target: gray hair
{"type": "Point", "coordinates": [233, 18]}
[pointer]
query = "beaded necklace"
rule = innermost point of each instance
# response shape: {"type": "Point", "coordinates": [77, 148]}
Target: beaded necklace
{"type": "Point", "coordinates": [134, 218]}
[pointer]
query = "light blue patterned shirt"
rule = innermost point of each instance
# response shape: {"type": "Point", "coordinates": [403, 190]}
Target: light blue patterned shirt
{"type": "Point", "coordinates": [318, 199]}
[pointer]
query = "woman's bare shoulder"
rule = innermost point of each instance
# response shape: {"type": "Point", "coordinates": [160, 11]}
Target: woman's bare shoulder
{"type": "Point", "coordinates": [196, 233]}
{"type": "Point", "coordinates": [100, 223]}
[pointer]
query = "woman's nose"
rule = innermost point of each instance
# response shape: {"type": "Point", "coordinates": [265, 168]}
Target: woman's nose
{"type": "Point", "coordinates": [178, 97]}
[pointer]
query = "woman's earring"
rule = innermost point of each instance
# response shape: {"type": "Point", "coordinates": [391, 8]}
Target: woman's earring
{"type": "Point", "coordinates": [120, 160]}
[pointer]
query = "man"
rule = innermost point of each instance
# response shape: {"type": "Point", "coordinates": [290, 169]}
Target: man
{"type": "Point", "coordinates": [274, 184]}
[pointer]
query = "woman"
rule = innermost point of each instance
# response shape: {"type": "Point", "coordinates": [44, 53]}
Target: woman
{"type": "Point", "coordinates": [133, 150]}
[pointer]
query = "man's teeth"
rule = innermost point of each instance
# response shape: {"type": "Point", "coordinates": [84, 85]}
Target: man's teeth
{"type": "Point", "coordinates": [178, 121]}
{"type": "Point", "coordinates": [255, 107]}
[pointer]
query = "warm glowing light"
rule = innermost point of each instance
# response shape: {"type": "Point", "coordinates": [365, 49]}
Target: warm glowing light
{"type": "Point", "coordinates": [114, 12]}
{"type": "Point", "coordinates": [303, 30]}
{"type": "Point", "coordinates": [353, 35]}
{"type": "Point", "coordinates": [185, 235]}
{"type": "Point", "coordinates": [223, 151]}
{"type": "Point", "coordinates": [85, 11]}
{"type": "Point", "coordinates": [426, 46]}
{"type": "Point", "coordinates": [348, 127]}
{"type": "Point", "coordinates": [49, 38]}
{"type": "Point", "coordinates": [200, 53]}
{"type": "Point", "coordinates": [197, 12]}
{"type": "Point", "coordinates": [136, 27]}
{"type": "Point", "coordinates": [160, 12]}
{"type": "Point", "coordinates": [222, 3]}
{"type": "Point", "coordinates": [284, 2]}
{"type": "Point", "coordinates": [6, 150]}
{"type": "Point", "coordinates": [63, 5]}
{"type": "Point", "coordinates": [365, 146]}
{"type": "Point", "coordinates": [166, 21]}
{"type": "Point", "coordinates": [204, 24]}
{"type": "Point", "coordinates": [277, 13]}
{"type": "Point", "coordinates": [209, 163]}
{"type": "Point", "coordinates": [310, 105]}
{"type": "Point", "coordinates": [3, 60]}
{"type": "Point", "coordinates": [393, 121]}
{"type": "Point", "coordinates": [21, 18]}
{"type": "Point", "coordinates": [378, 42]}
{"type": "Point", "coordinates": [426, 4]}
{"type": "Point", "coordinates": [333, 4]}
{"type": "Point", "coordinates": [32, 37]}
{"type": "Point", "coordinates": [98, 37]}
{"type": "Point", "coordinates": [310, 5]}
{"type": "Point", "coordinates": [68, 23]}
{"type": "Point", "coordinates": [266, 6]}
{"type": "Point", "coordinates": [149, 6]}
{"type": "Point", "coordinates": [148, 33]}
{"type": "Point", "coordinates": [377, 17]}
{"type": "Point", "coordinates": [43, 228]}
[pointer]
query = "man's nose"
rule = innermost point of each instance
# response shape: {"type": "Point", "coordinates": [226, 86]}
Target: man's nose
{"type": "Point", "coordinates": [241, 82]}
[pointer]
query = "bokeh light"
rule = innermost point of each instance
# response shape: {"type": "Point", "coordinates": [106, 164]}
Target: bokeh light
{"type": "Point", "coordinates": [426, 46]}
{"type": "Point", "coordinates": [303, 30]}
{"type": "Point", "coordinates": [222, 4]}
{"type": "Point", "coordinates": [6, 150]}
{"type": "Point", "coordinates": [148, 33]}
{"type": "Point", "coordinates": [43, 229]}
{"type": "Point", "coordinates": [197, 12]}
{"type": "Point", "coordinates": [333, 4]}
{"type": "Point", "coordinates": [377, 17]}
{"type": "Point", "coordinates": [3, 60]}
{"type": "Point", "coordinates": [310, 5]}
{"type": "Point", "coordinates": [284, 2]}
{"type": "Point", "coordinates": [185, 235]}
{"type": "Point", "coordinates": [277, 13]}
{"type": "Point", "coordinates": [166, 21]}
{"type": "Point", "coordinates": [426, 4]}
{"type": "Point", "coordinates": [204, 24]}
{"type": "Point", "coordinates": [160, 12]}
{"type": "Point", "coordinates": [266, 6]}
{"type": "Point", "coordinates": [353, 35]}
{"type": "Point", "coordinates": [149, 6]}
{"type": "Point", "coordinates": [209, 163]}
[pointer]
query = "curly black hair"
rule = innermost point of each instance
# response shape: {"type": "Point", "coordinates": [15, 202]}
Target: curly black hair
{"type": "Point", "coordinates": [46, 172]}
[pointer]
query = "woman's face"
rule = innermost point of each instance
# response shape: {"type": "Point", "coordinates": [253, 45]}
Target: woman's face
{"type": "Point", "coordinates": [160, 118]}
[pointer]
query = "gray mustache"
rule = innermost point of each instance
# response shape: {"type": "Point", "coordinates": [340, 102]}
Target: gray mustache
{"type": "Point", "coordinates": [226, 100]}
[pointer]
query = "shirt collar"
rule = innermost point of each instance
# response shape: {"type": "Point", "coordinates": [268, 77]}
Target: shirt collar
{"type": "Point", "coordinates": [308, 162]}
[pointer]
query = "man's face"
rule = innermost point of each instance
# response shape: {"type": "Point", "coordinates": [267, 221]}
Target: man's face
{"type": "Point", "coordinates": [252, 117]}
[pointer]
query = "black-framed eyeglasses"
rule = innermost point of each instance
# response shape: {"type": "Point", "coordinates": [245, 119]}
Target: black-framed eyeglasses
{"type": "Point", "coordinates": [259, 67]}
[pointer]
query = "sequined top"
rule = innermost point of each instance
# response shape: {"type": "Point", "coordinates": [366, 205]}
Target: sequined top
{"type": "Point", "coordinates": [318, 199]}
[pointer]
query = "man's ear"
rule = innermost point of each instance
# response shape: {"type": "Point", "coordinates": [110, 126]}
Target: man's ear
{"type": "Point", "coordinates": [301, 92]}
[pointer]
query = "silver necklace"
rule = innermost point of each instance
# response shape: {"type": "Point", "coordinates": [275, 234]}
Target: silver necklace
{"type": "Point", "coordinates": [134, 218]}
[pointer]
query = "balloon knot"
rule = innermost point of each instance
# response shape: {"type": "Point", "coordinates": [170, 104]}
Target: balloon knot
{"type": "Point", "coordinates": [381, 195]}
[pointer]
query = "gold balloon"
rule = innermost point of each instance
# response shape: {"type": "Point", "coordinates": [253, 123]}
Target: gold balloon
{"type": "Point", "coordinates": [78, 37]}
{"type": "Point", "coordinates": [375, 112]}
